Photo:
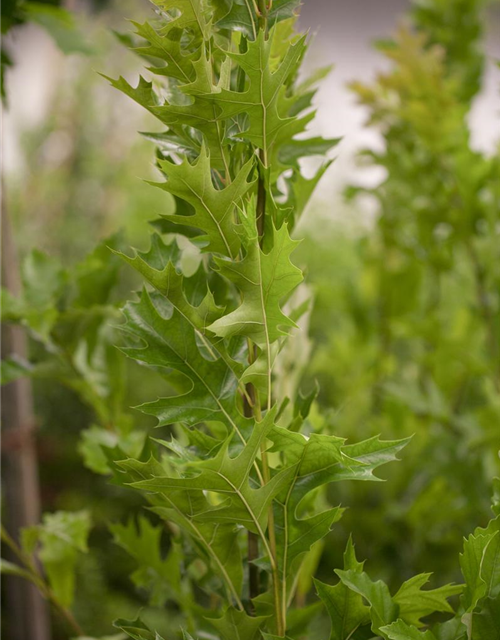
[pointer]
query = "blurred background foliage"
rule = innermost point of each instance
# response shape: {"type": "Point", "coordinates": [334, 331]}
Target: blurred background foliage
{"type": "Point", "coordinates": [404, 333]}
{"type": "Point", "coordinates": [407, 335]}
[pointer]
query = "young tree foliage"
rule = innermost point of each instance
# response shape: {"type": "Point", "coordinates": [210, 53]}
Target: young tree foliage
{"type": "Point", "coordinates": [239, 475]}
{"type": "Point", "coordinates": [240, 482]}
{"type": "Point", "coordinates": [399, 616]}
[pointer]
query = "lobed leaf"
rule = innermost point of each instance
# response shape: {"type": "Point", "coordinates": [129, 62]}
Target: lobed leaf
{"type": "Point", "coordinates": [264, 280]}
{"type": "Point", "coordinates": [345, 606]}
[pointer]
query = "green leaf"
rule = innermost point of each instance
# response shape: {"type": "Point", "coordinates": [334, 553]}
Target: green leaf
{"type": "Point", "coordinates": [96, 276]}
{"type": "Point", "coordinates": [373, 453]}
{"type": "Point", "coordinates": [63, 535]}
{"type": "Point", "coordinates": [301, 621]}
{"type": "Point", "coordinates": [143, 94]}
{"type": "Point", "coordinates": [318, 460]}
{"type": "Point", "coordinates": [471, 563]}
{"type": "Point", "coordinates": [450, 630]}
{"type": "Point", "coordinates": [198, 114]}
{"type": "Point", "coordinates": [158, 266]}
{"type": "Point", "coordinates": [237, 625]}
{"type": "Point", "coordinates": [213, 527]}
{"type": "Point", "coordinates": [143, 542]}
{"type": "Point", "coordinates": [301, 190]}
{"type": "Point", "coordinates": [383, 610]}
{"type": "Point", "coordinates": [179, 65]}
{"type": "Point", "coordinates": [231, 478]}
{"type": "Point", "coordinates": [239, 15]}
{"type": "Point", "coordinates": [264, 100]}
{"type": "Point", "coordinates": [264, 280]}
{"type": "Point", "coordinates": [94, 439]}
{"type": "Point", "coordinates": [293, 151]}
{"type": "Point", "coordinates": [214, 209]}
{"type": "Point", "coordinates": [301, 533]}
{"type": "Point", "coordinates": [490, 566]}
{"type": "Point", "coordinates": [43, 280]}
{"type": "Point", "coordinates": [486, 622]}
{"type": "Point", "coordinates": [218, 543]}
{"type": "Point", "coordinates": [414, 603]}
{"type": "Point", "coordinates": [345, 607]}
{"type": "Point", "coordinates": [400, 630]}
{"type": "Point", "coordinates": [302, 407]}
{"type": "Point", "coordinates": [480, 567]}
{"type": "Point", "coordinates": [190, 15]}
{"type": "Point", "coordinates": [136, 629]}
{"type": "Point", "coordinates": [164, 226]}
{"type": "Point", "coordinates": [169, 341]}
{"type": "Point", "coordinates": [309, 564]}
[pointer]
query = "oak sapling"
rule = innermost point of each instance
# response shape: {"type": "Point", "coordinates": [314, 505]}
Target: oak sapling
{"type": "Point", "coordinates": [238, 482]}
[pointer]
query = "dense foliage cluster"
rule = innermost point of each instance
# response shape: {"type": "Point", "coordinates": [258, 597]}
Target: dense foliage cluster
{"type": "Point", "coordinates": [243, 483]}
{"type": "Point", "coordinates": [416, 298]}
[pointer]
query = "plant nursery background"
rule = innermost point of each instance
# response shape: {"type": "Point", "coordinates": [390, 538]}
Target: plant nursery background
{"type": "Point", "coordinates": [398, 334]}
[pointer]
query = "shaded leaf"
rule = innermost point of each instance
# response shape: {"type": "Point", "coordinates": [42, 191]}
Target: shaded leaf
{"type": "Point", "coordinates": [237, 625]}
{"type": "Point", "coordinates": [168, 341]}
{"type": "Point", "coordinates": [383, 610]}
{"type": "Point", "coordinates": [62, 536]}
{"type": "Point", "coordinates": [143, 542]}
{"type": "Point", "coordinates": [345, 606]}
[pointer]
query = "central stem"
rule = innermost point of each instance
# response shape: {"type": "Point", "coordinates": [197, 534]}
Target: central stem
{"type": "Point", "coordinates": [263, 11]}
{"type": "Point", "coordinates": [261, 230]}
{"type": "Point", "coordinates": [278, 604]}
{"type": "Point", "coordinates": [280, 611]}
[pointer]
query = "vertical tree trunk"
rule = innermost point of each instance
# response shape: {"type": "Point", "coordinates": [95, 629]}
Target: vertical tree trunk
{"type": "Point", "coordinates": [27, 610]}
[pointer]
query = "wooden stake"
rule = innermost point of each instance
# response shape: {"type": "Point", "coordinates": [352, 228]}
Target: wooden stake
{"type": "Point", "coordinates": [27, 611]}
